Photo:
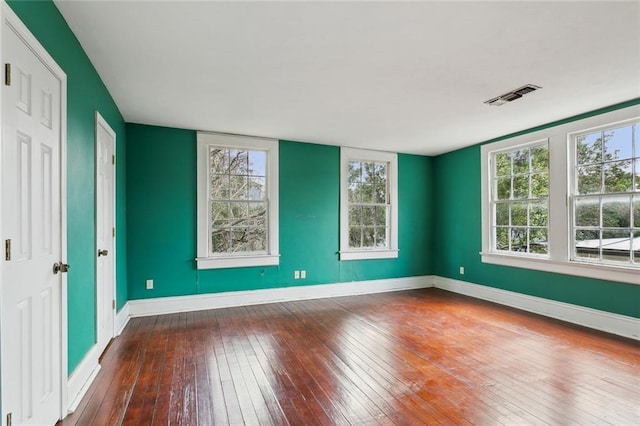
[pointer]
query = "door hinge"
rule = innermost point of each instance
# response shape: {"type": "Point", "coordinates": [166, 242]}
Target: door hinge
{"type": "Point", "coordinates": [113, 304]}
{"type": "Point", "coordinates": [113, 232]}
{"type": "Point", "coordinates": [7, 250]}
{"type": "Point", "coordinates": [113, 159]}
{"type": "Point", "coordinates": [9, 419]}
{"type": "Point", "coordinates": [7, 74]}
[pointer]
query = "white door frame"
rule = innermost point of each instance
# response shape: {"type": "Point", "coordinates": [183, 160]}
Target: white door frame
{"type": "Point", "coordinates": [100, 121]}
{"type": "Point", "coordinates": [8, 16]}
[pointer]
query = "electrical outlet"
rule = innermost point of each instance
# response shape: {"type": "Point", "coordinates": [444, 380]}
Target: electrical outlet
{"type": "Point", "coordinates": [462, 270]}
{"type": "Point", "coordinates": [296, 275]}
{"type": "Point", "coordinates": [303, 274]}
{"type": "Point", "coordinates": [149, 284]}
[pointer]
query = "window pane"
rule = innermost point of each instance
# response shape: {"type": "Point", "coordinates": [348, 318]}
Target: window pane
{"type": "Point", "coordinates": [256, 188]}
{"type": "Point", "coordinates": [380, 193]}
{"type": "Point", "coordinates": [503, 165]}
{"type": "Point", "coordinates": [502, 214]}
{"type": "Point", "coordinates": [538, 241]}
{"type": "Point", "coordinates": [220, 241]}
{"type": "Point", "coordinates": [618, 143]}
{"type": "Point", "coordinates": [366, 192]}
{"type": "Point", "coordinates": [636, 211]}
{"type": "Point", "coordinates": [218, 159]}
{"type": "Point", "coordinates": [520, 161]}
{"type": "Point", "coordinates": [257, 163]}
{"type": "Point", "coordinates": [504, 188]}
{"type": "Point", "coordinates": [239, 213]}
{"type": "Point", "coordinates": [355, 193]}
{"type": "Point", "coordinates": [219, 189]}
{"type": "Point", "coordinates": [589, 179]}
{"type": "Point", "coordinates": [589, 148]}
{"type": "Point", "coordinates": [637, 172]}
{"type": "Point", "coordinates": [616, 245]}
{"type": "Point", "coordinates": [381, 237]}
{"type": "Point", "coordinates": [519, 239]}
{"type": "Point", "coordinates": [538, 214]}
{"type": "Point", "coordinates": [539, 158]}
{"type": "Point", "coordinates": [238, 162]}
{"type": "Point", "coordinates": [368, 237]}
{"type": "Point", "coordinates": [238, 187]}
{"type": "Point", "coordinates": [502, 238]}
{"type": "Point", "coordinates": [355, 215]}
{"type": "Point", "coordinates": [521, 186]}
{"type": "Point", "coordinates": [588, 244]}
{"type": "Point", "coordinates": [355, 237]}
{"type": "Point", "coordinates": [368, 215]}
{"type": "Point", "coordinates": [258, 214]}
{"type": "Point", "coordinates": [257, 240]}
{"type": "Point", "coordinates": [380, 174]}
{"type": "Point", "coordinates": [354, 172]}
{"type": "Point", "coordinates": [539, 185]}
{"type": "Point", "coordinates": [616, 212]}
{"type": "Point", "coordinates": [587, 212]}
{"type": "Point", "coordinates": [219, 214]}
{"type": "Point", "coordinates": [380, 218]}
{"type": "Point", "coordinates": [519, 214]}
{"type": "Point", "coordinates": [618, 176]}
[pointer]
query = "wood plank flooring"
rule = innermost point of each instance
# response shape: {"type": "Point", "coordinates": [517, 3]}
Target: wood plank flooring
{"type": "Point", "coordinates": [404, 358]}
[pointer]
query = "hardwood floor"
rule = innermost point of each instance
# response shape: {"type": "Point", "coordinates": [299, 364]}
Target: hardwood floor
{"type": "Point", "coordinates": [406, 358]}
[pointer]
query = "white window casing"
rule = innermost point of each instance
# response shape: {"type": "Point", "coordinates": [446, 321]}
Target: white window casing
{"type": "Point", "coordinates": [268, 257]}
{"type": "Point", "coordinates": [561, 153]}
{"type": "Point", "coordinates": [391, 247]}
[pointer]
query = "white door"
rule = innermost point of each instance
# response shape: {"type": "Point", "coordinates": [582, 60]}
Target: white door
{"type": "Point", "coordinates": [105, 231]}
{"type": "Point", "coordinates": [31, 236]}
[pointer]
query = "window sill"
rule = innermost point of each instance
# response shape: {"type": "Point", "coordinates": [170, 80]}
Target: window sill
{"type": "Point", "coordinates": [622, 274]}
{"type": "Point", "coordinates": [237, 261]}
{"type": "Point", "coordinates": [368, 254]}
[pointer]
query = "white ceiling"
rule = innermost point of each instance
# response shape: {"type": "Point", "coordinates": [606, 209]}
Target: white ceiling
{"type": "Point", "coordinates": [407, 77]}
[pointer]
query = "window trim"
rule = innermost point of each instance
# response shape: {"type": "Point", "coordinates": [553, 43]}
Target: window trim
{"type": "Point", "coordinates": [203, 259]}
{"type": "Point", "coordinates": [559, 259]}
{"type": "Point", "coordinates": [391, 252]}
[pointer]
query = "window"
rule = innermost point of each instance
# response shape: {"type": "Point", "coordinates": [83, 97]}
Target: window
{"type": "Point", "coordinates": [606, 195]}
{"type": "Point", "coordinates": [237, 201]}
{"type": "Point", "coordinates": [566, 199]}
{"type": "Point", "coordinates": [368, 205]}
{"type": "Point", "coordinates": [519, 199]}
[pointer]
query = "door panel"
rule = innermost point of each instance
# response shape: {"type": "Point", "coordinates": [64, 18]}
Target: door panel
{"type": "Point", "coordinates": [105, 192]}
{"type": "Point", "coordinates": [31, 214]}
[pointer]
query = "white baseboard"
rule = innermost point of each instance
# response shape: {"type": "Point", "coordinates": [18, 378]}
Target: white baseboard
{"type": "Point", "coordinates": [82, 377]}
{"type": "Point", "coordinates": [620, 325]}
{"type": "Point", "coordinates": [167, 305]}
{"type": "Point", "coordinates": [122, 319]}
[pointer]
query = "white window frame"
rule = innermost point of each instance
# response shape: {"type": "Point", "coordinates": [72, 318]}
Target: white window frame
{"type": "Point", "coordinates": [391, 251]}
{"type": "Point", "coordinates": [560, 173]}
{"type": "Point", "coordinates": [232, 260]}
{"type": "Point", "coordinates": [492, 155]}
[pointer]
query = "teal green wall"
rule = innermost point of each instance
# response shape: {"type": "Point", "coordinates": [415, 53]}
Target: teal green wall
{"type": "Point", "coordinates": [161, 188]}
{"type": "Point", "coordinates": [457, 232]}
{"type": "Point", "coordinates": [85, 94]}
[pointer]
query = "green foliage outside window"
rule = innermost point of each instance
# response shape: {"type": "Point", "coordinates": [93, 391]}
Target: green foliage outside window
{"type": "Point", "coordinates": [520, 199]}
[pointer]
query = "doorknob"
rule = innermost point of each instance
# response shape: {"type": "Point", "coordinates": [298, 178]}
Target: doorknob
{"type": "Point", "coordinates": [102, 252]}
{"type": "Point", "coordinates": [60, 267]}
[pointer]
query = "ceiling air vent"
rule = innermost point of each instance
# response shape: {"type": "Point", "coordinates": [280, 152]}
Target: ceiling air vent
{"type": "Point", "coordinates": [512, 95]}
